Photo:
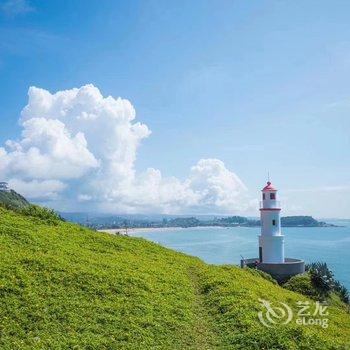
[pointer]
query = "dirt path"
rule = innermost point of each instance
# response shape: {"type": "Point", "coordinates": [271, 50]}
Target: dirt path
{"type": "Point", "coordinates": [205, 337]}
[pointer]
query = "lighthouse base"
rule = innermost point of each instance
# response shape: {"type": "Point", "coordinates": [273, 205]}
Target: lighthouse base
{"type": "Point", "coordinates": [281, 272]}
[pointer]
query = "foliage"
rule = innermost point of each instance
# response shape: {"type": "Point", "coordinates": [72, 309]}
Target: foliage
{"type": "Point", "coordinates": [321, 277]}
{"type": "Point", "coordinates": [323, 281]}
{"type": "Point", "coordinates": [304, 221]}
{"type": "Point", "coordinates": [262, 274]}
{"type": "Point", "coordinates": [183, 222]}
{"type": "Point", "coordinates": [303, 284]}
{"type": "Point", "coordinates": [238, 220]}
{"type": "Point", "coordinates": [342, 292]}
{"type": "Point", "coordinates": [231, 296]}
{"type": "Point", "coordinates": [66, 287]}
{"type": "Point", "coordinates": [12, 200]}
{"type": "Point", "coordinates": [46, 214]}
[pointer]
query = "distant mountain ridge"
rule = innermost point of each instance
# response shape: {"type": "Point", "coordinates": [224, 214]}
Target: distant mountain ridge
{"type": "Point", "coordinates": [155, 221]}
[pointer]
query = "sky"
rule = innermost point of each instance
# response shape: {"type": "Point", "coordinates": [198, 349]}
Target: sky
{"type": "Point", "coordinates": [176, 106]}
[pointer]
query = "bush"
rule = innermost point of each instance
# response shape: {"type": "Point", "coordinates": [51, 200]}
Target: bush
{"type": "Point", "coordinates": [322, 279]}
{"type": "Point", "coordinates": [42, 213]}
{"type": "Point", "coordinates": [302, 284]}
{"type": "Point", "coordinates": [342, 292]}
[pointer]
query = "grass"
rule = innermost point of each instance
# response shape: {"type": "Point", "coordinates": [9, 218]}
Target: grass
{"type": "Point", "coordinates": [66, 287]}
{"type": "Point", "coordinates": [12, 200]}
{"type": "Point", "coordinates": [302, 284]}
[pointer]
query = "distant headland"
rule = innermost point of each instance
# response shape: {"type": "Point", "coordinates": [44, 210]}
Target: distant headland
{"type": "Point", "coordinates": [162, 221]}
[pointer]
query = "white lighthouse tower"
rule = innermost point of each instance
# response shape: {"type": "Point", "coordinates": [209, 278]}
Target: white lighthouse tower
{"type": "Point", "coordinates": [271, 240]}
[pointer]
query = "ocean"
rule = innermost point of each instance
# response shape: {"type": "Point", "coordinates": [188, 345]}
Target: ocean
{"type": "Point", "coordinates": [216, 245]}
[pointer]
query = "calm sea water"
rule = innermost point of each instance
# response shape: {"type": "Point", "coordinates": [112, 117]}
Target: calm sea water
{"type": "Point", "coordinates": [226, 245]}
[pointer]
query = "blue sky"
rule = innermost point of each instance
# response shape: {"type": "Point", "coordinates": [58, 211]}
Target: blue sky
{"type": "Point", "coordinates": [261, 86]}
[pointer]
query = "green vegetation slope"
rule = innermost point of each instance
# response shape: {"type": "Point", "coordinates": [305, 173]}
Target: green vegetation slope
{"type": "Point", "coordinates": [66, 287]}
{"type": "Point", "coordinates": [13, 200]}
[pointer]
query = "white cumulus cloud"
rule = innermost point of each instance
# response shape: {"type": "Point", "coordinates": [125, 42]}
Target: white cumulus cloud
{"type": "Point", "coordinates": [47, 150]}
{"type": "Point", "coordinates": [81, 147]}
{"type": "Point", "coordinates": [46, 189]}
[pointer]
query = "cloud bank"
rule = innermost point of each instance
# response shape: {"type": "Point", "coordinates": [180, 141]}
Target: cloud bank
{"type": "Point", "coordinates": [79, 149]}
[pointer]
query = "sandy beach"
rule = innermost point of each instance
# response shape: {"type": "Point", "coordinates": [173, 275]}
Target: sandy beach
{"type": "Point", "coordinates": [135, 231]}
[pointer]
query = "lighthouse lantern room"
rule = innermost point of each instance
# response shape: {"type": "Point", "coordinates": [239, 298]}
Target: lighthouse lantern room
{"type": "Point", "coordinates": [271, 240]}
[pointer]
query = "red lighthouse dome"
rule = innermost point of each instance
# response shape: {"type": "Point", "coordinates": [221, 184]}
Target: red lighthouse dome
{"type": "Point", "coordinates": [269, 187]}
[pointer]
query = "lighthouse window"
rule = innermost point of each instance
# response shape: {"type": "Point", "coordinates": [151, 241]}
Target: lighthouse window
{"type": "Point", "coordinates": [274, 222]}
{"type": "Point", "coordinates": [263, 195]}
{"type": "Point", "coordinates": [272, 196]}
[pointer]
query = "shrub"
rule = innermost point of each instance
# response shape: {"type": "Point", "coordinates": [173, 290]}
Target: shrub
{"type": "Point", "coordinates": [302, 284]}
{"type": "Point", "coordinates": [321, 277]}
{"type": "Point", "coordinates": [42, 213]}
{"type": "Point", "coordinates": [342, 292]}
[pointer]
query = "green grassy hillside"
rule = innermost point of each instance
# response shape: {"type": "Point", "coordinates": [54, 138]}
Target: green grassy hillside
{"type": "Point", "coordinates": [13, 200]}
{"type": "Point", "coordinates": [65, 287]}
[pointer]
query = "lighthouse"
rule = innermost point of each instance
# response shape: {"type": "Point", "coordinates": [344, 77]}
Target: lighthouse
{"type": "Point", "coordinates": [271, 240]}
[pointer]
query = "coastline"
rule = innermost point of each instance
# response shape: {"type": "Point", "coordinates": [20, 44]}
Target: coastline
{"type": "Point", "coordinates": [134, 231]}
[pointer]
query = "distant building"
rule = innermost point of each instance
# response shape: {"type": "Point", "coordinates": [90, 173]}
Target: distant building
{"type": "Point", "coordinates": [271, 241]}
{"type": "Point", "coordinates": [4, 186]}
